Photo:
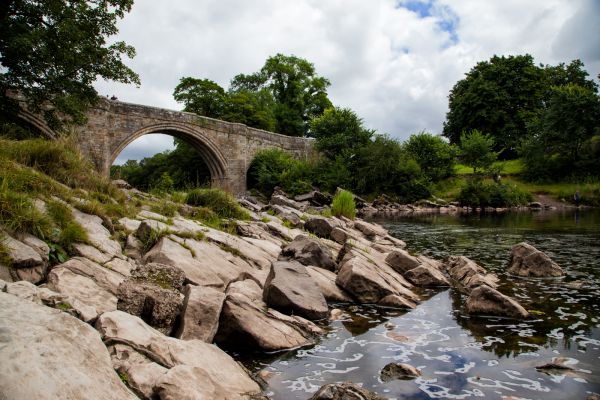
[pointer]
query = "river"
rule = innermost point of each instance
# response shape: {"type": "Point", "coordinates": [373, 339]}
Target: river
{"type": "Point", "coordinates": [462, 357]}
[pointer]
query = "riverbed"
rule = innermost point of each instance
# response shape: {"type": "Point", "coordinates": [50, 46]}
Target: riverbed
{"type": "Point", "coordinates": [462, 357]}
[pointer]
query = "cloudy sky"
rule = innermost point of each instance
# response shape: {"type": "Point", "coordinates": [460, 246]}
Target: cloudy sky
{"type": "Point", "coordinates": [393, 62]}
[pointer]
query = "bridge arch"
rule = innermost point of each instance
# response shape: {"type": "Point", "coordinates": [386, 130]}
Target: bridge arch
{"type": "Point", "coordinates": [208, 150]}
{"type": "Point", "coordinates": [37, 122]}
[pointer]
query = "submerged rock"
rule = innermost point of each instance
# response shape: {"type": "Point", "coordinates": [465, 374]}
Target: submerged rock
{"type": "Point", "coordinates": [398, 371]}
{"type": "Point", "coordinates": [487, 301]}
{"type": "Point", "coordinates": [48, 354]}
{"type": "Point", "coordinates": [526, 260]}
{"type": "Point", "coordinates": [344, 391]}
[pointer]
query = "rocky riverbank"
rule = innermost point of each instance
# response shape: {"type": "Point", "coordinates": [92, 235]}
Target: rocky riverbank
{"type": "Point", "coordinates": [148, 316]}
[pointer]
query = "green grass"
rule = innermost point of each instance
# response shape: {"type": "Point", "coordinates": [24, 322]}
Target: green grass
{"type": "Point", "coordinates": [343, 205]}
{"type": "Point", "coordinates": [563, 191]}
{"type": "Point", "coordinates": [219, 201]}
{"type": "Point", "coordinates": [506, 167]}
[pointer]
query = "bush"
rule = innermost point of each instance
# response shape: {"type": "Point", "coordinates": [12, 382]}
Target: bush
{"type": "Point", "coordinates": [219, 201]}
{"type": "Point", "coordinates": [343, 205]}
{"type": "Point", "coordinates": [435, 157]}
{"type": "Point", "coordinates": [275, 167]}
{"type": "Point", "coordinates": [479, 193]}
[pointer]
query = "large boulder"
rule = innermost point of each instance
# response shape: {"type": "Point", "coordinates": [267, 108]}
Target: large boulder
{"type": "Point", "coordinates": [372, 282]}
{"type": "Point", "coordinates": [484, 300]}
{"type": "Point", "coordinates": [48, 354]}
{"type": "Point", "coordinates": [468, 274]}
{"type": "Point", "coordinates": [344, 391]}
{"type": "Point", "coordinates": [247, 323]}
{"type": "Point", "coordinates": [309, 251]}
{"type": "Point", "coordinates": [401, 261]}
{"type": "Point", "coordinates": [200, 315]}
{"type": "Point", "coordinates": [168, 251]}
{"type": "Point", "coordinates": [157, 306]}
{"type": "Point", "coordinates": [321, 226]}
{"type": "Point", "coordinates": [209, 363]}
{"type": "Point", "coordinates": [526, 260]}
{"type": "Point", "coordinates": [326, 281]}
{"type": "Point", "coordinates": [426, 275]}
{"type": "Point", "coordinates": [290, 289]}
{"type": "Point", "coordinates": [370, 230]}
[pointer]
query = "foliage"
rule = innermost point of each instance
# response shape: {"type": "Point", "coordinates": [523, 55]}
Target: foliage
{"type": "Point", "coordinates": [476, 150]}
{"type": "Point", "coordinates": [503, 96]}
{"type": "Point", "coordinates": [343, 205]}
{"type": "Point", "coordinates": [339, 131]}
{"type": "Point", "coordinates": [18, 214]}
{"type": "Point", "coordinates": [201, 96]}
{"type": "Point", "coordinates": [53, 51]}
{"type": "Point", "coordinates": [184, 165]}
{"type": "Point", "coordinates": [565, 137]}
{"type": "Point", "coordinates": [480, 193]}
{"type": "Point", "coordinates": [383, 167]}
{"type": "Point", "coordinates": [219, 201]}
{"type": "Point", "coordinates": [435, 157]}
{"type": "Point", "coordinates": [282, 97]}
{"type": "Point", "coordinates": [275, 167]}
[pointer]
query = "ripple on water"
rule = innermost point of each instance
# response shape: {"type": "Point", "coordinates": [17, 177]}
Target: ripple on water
{"type": "Point", "coordinates": [462, 357]}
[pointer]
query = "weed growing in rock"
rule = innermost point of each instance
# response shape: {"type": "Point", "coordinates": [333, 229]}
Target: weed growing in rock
{"type": "Point", "coordinates": [343, 205]}
{"type": "Point", "coordinates": [219, 201]}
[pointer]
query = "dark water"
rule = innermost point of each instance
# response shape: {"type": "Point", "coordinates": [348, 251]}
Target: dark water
{"type": "Point", "coordinates": [462, 357]}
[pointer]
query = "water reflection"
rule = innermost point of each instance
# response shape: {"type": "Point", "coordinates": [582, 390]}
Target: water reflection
{"type": "Point", "coordinates": [462, 357]}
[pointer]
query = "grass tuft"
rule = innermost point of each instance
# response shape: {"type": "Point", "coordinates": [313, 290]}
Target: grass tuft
{"type": "Point", "coordinates": [217, 200]}
{"type": "Point", "coordinates": [343, 205]}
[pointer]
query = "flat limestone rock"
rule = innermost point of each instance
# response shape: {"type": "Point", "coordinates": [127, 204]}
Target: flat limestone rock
{"type": "Point", "coordinates": [167, 251]}
{"type": "Point", "coordinates": [211, 362]}
{"type": "Point", "coordinates": [82, 288]}
{"type": "Point", "coordinates": [290, 289]}
{"type": "Point", "coordinates": [484, 300]}
{"type": "Point", "coordinates": [104, 277]}
{"type": "Point", "coordinates": [98, 235]}
{"type": "Point", "coordinates": [48, 354]}
{"type": "Point", "coordinates": [526, 260]}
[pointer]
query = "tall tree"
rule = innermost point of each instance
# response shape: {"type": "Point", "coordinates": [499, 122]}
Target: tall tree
{"type": "Point", "coordinates": [476, 150]}
{"type": "Point", "coordinates": [299, 94]}
{"type": "Point", "coordinates": [201, 96]}
{"type": "Point", "coordinates": [339, 131]}
{"type": "Point", "coordinates": [435, 156]}
{"type": "Point", "coordinates": [52, 51]}
{"type": "Point", "coordinates": [499, 97]}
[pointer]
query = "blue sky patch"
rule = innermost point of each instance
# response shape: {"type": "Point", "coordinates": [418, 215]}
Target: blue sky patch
{"type": "Point", "coordinates": [447, 20]}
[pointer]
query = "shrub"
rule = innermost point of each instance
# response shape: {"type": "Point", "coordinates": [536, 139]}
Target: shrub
{"type": "Point", "coordinates": [219, 201]}
{"type": "Point", "coordinates": [343, 205]}
{"type": "Point", "coordinates": [479, 193]}
{"type": "Point", "coordinates": [275, 167]}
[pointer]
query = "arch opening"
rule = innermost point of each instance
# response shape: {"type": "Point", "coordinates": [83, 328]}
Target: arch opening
{"type": "Point", "coordinates": [192, 161]}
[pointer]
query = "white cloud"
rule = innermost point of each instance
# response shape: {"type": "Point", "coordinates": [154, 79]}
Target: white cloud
{"type": "Point", "coordinates": [391, 65]}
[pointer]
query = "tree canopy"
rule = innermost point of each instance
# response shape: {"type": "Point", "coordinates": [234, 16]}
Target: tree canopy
{"type": "Point", "coordinates": [338, 131]}
{"type": "Point", "coordinates": [283, 96]}
{"type": "Point", "coordinates": [52, 51]}
{"type": "Point", "coordinates": [503, 97]}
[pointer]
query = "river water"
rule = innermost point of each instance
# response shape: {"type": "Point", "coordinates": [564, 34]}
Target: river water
{"type": "Point", "coordinates": [462, 357]}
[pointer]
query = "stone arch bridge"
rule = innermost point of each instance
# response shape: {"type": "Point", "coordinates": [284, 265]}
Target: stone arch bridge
{"type": "Point", "coordinates": [227, 148]}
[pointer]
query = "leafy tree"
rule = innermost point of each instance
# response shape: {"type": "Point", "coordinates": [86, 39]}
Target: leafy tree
{"type": "Point", "coordinates": [565, 136]}
{"type": "Point", "coordinates": [298, 93]}
{"type": "Point", "coordinates": [254, 109]}
{"type": "Point", "coordinates": [339, 131]}
{"type": "Point", "coordinates": [53, 51]}
{"type": "Point", "coordinates": [435, 156]}
{"type": "Point", "coordinates": [201, 96]}
{"type": "Point", "coordinates": [499, 96]}
{"type": "Point", "coordinates": [476, 150]}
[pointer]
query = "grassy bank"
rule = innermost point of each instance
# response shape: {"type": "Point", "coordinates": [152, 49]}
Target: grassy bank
{"type": "Point", "coordinates": [510, 172]}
